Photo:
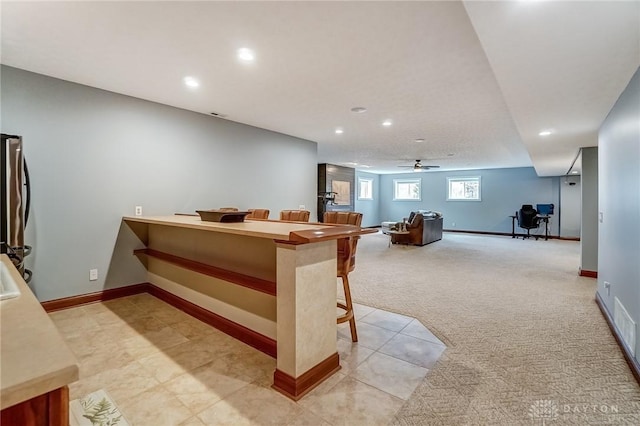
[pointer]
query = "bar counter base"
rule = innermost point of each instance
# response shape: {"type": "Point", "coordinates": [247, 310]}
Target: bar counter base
{"type": "Point", "coordinates": [296, 388]}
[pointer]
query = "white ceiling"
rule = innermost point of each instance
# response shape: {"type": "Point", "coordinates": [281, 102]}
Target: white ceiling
{"type": "Point", "coordinates": [478, 80]}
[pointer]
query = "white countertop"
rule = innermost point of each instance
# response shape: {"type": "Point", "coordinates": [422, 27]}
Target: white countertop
{"type": "Point", "coordinates": [34, 358]}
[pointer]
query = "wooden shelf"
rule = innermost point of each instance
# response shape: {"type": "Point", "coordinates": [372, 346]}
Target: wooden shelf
{"type": "Point", "coordinates": [258, 284]}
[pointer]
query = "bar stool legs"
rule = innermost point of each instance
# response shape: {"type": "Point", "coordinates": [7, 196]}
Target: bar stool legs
{"type": "Point", "coordinates": [348, 307]}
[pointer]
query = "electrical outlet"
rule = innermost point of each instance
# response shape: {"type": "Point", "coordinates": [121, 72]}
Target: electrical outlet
{"type": "Point", "coordinates": [138, 210]}
{"type": "Point", "coordinates": [93, 274]}
{"type": "Point", "coordinates": [601, 217]}
{"type": "Point", "coordinates": [453, 224]}
{"type": "Point", "coordinates": [301, 207]}
{"type": "Point", "coordinates": [607, 285]}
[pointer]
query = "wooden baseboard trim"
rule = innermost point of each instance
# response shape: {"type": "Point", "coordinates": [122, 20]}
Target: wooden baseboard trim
{"type": "Point", "coordinates": [296, 388]}
{"type": "Point", "coordinates": [260, 342]}
{"type": "Point", "coordinates": [508, 234]}
{"type": "Point", "coordinates": [98, 296]}
{"type": "Point", "coordinates": [504, 234]}
{"type": "Point", "coordinates": [588, 274]}
{"type": "Point", "coordinates": [634, 365]}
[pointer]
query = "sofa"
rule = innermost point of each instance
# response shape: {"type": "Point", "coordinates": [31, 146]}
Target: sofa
{"type": "Point", "coordinates": [423, 228]}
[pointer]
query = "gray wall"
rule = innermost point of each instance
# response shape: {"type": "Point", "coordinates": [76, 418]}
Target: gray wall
{"type": "Point", "coordinates": [94, 155]}
{"type": "Point", "coordinates": [589, 228]}
{"type": "Point", "coordinates": [619, 202]}
{"type": "Point", "coordinates": [503, 192]}
{"type": "Point", "coordinates": [370, 209]}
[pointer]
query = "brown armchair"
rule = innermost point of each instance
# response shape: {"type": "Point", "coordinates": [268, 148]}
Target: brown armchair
{"type": "Point", "coordinates": [421, 230]}
{"type": "Point", "coordinates": [257, 214]}
{"type": "Point", "coordinates": [295, 215]}
{"type": "Point", "coordinates": [346, 257]}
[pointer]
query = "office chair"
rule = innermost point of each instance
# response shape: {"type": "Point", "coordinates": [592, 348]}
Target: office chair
{"type": "Point", "coordinates": [528, 219]}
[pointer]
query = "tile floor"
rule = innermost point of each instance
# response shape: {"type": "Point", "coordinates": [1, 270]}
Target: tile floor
{"type": "Point", "coordinates": [164, 367]}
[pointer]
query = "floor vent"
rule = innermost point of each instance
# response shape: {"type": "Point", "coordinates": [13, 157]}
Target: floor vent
{"type": "Point", "coordinates": [626, 325]}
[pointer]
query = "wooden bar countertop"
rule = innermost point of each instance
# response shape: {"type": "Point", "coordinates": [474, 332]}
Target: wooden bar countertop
{"type": "Point", "coordinates": [294, 232]}
{"type": "Point", "coordinates": [34, 358]}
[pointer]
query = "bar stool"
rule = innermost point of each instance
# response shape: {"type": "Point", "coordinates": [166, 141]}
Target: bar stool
{"type": "Point", "coordinates": [346, 258]}
{"type": "Point", "coordinates": [295, 215]}
{"type": "Point", "coordinates": [258, 214]}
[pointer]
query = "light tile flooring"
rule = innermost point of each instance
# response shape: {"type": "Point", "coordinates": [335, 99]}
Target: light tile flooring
{"type": "Point", "coordinates": [164, 367]}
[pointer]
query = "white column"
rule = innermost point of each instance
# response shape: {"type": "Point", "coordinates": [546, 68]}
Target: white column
{"type": "Point", "coordinates": [306, 305]}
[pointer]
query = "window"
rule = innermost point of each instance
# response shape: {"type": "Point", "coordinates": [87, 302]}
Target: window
{"type": "Point", "coordinates": [365, 189]}
{"type": "Point", "coordinates": [464, 189]}
{"type": "Point", "coordinates": [407, 189]}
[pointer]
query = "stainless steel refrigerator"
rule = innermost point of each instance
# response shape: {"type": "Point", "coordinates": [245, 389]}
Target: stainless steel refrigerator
{"type": "Point", "coordinates": [16, 194]}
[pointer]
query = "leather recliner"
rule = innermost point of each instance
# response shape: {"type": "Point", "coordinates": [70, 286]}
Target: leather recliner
{"type": "Point", "coordinates": [421, 231]}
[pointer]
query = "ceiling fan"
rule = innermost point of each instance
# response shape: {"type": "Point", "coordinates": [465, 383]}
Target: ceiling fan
{"type": "Point", "coordinates": [419, 166]}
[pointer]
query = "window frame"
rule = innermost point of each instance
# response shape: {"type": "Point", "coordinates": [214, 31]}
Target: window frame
{"type": "Point", "coordinates": [417, 181]}
{"type": "Point", "coordinates": [369, 182]}
{"type": "Point", "coordinates": [451, 180]}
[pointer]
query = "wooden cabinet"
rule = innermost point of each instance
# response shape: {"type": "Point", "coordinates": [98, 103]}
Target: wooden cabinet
{"type": "Point", "coordinates": [50, 409]}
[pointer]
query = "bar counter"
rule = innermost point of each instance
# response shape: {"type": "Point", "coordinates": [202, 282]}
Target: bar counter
{"type": "Point", "coordinates": [269, 283]}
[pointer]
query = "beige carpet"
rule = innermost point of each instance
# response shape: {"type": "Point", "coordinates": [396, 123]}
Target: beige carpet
{"type": "Point", "coordinates": [526, 341]}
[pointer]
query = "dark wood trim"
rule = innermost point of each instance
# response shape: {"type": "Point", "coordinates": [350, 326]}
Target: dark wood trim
{"type": "Point", "coordinates": [296, 388]}
{"type": "Point", "coordinates": [258, 284]}
{"type": "Point", "coordinates": [633, 363]}
{"type": "Point", "coordinates": [508, 234]}
{"type": "Point", "coordinates": [259, 341]}
{"type": "Point", "coordinates": [98, 296]}
{"type": "Point", "coordinates": [588, 274]}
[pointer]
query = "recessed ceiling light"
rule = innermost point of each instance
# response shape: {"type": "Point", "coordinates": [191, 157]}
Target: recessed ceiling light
{"type": "Point", "coordinates": [246, 54]}
{"type": "Point", "coordinates": [191, 82]}
{"type": "Point", "coordinates": [386, 123]}
{"type": "Point", "coordinates": [352, 163]}
{"type": "Point", "coordinates": [358, 110]}
{"type": "Point", "coordinates": [420, 140]}
{"type": "Point", "coordinates": [339, 131]}
{"type": "Point", "coordinates": [545, 133]}
{"type": "Point", "coordinates": [575, 172]}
